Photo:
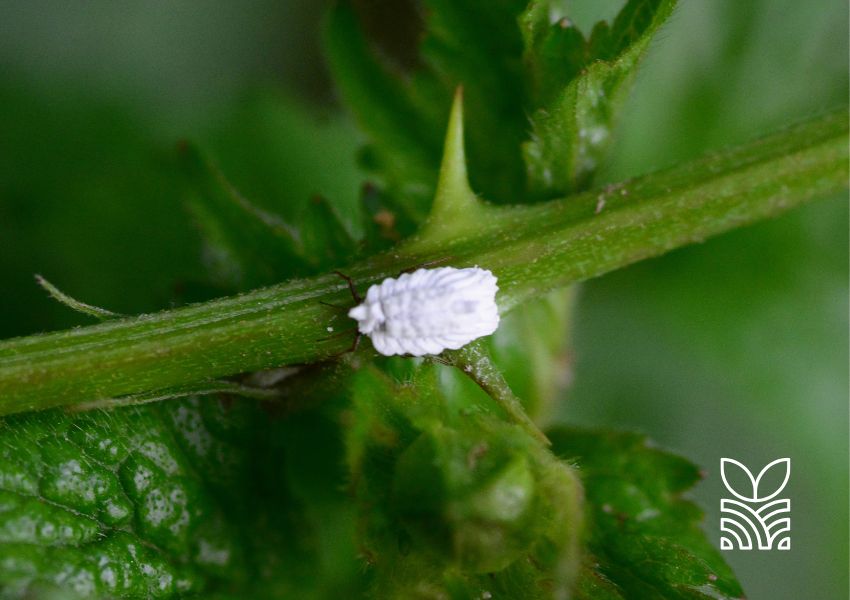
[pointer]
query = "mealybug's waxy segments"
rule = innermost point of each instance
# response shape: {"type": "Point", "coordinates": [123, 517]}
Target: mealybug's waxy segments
{"type": "Point", "coordinates": [429, 310]}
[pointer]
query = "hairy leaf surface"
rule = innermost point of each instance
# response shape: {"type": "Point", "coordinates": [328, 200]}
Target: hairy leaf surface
{"type": "Point", "coordinates": [201, 497]}
{"type": "Point", "coordinates": [645, 539]}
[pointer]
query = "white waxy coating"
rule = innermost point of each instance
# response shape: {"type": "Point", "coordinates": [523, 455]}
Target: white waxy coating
{"type": "Point", "coordinates": [429, 310]}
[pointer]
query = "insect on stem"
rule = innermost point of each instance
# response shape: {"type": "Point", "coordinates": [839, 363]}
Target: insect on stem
{"type": "Point", "coordinates": [428, 311]}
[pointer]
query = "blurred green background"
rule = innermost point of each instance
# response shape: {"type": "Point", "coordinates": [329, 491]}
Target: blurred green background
{"type": "Point", "coordinates": [737, 347]}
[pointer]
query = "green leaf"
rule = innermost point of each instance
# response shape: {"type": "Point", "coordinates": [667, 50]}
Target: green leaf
{"type": "Point", "coordinates": [66, 159]}
{"type": "Point", "coordinates": [174, 499]}
{"type": "Point", "coordinates": [245, 246]}
{"type": "Point", "coordinates": [580, 86]}
{"type": "Point", "coordinates": [325, 241]}
{"type": "Point", "coordinates": [475, 45]}
{"type": "Point", "coordinates": [453, 500]}
{"type": "Point", "coordinates": [281, 166]}
{"type": "Point", "coordinates": [531, 347]}
{"type": "Point", "coordinates": [406, 148]}
{"type": "Point", "coordinates": [474, 361]}
{"type": "Point", "coordinates": [478, 45]}
{"type": "Point", "coordinates": [513, 60]}
{"type": "Point", "coordinates": [282, 153]}
{"type": "Point", "coordinates": [645, 539]}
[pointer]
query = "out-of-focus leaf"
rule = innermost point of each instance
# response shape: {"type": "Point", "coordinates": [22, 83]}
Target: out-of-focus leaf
{"type": "Point", "coordinates": [580, 86]}
{"type": "Point", "coordinates": [405, 147]}
{"type": "Point", "coordinates": [454, 501]}
{"type": "Point", "coordinates": [644, 538]}
{"type": "Point", "coordinates": [532, 349]}
{"type": "Point", "coordinates": [296, 167]}
{"type": "Point", "coordinates": [247, 246]}
{"type": "Point", "coordinates": [281, 153]}
{"type": "Point", "coordinates": [244, 246]}
{"type": "Point", "coordinates": [470, 44]}
{"type": "Point", "coordinates": [204, 495]}
{"type": "Point", "coordinates": [325, 241]}
{"type": "Point", "coordinates": [474, 361]}
{"type": "Point", "coordinates": [86, 199]}
{"type": "Point", "coordinates": [514, 60]}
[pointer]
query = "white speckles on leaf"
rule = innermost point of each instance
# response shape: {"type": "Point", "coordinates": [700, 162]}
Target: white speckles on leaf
{"type": "Point", "coordinates": [188, 420]}
{"type": "Point", "coordinates": [107, 576]}
{"type": "Point", "coordinates": [71, 480]}
{"type": "Point", "coordinates": [81, 581]}
{"type": "Point", "coordinates": [142, 478]}
{"type": "Point", "coordinates": [156, 508]}
{"type": "Point", "coordinates": [160, 455]}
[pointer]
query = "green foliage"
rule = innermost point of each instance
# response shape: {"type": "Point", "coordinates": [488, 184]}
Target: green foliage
{"type": "Point", "coordinates": [202, 496]}
{"type": "Point", "coordinates": [435, 478]}
{"type": "Point", "coordinates": [65, 165]}
{"type": "Point", "coordinates": [579, 86]}
{"type": "Point", "coordinates": [455, 502]}
{"type": "Point", "coordinates": [245, 246]}
{"type": "Point", "coordinates": [535, 360]}
{"type": "Point", "coordinates": [571, 87]}
{"type": "Point", "coordinates": [645, 539]}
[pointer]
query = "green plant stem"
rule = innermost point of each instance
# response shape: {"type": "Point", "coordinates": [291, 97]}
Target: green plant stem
{"type": "Point", "coordinates": [532, 249]}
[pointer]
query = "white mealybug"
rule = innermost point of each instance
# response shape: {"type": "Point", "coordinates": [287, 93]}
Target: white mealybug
{"type": "Point", "coordinates": [429, 310]}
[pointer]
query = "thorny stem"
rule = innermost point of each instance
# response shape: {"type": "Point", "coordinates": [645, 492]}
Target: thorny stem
{"type": "Point", "coordinates": [532, 249]}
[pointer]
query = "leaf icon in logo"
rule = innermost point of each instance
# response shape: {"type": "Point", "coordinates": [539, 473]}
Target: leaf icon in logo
{"type": "Point", "coordinates": [729, 464]}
